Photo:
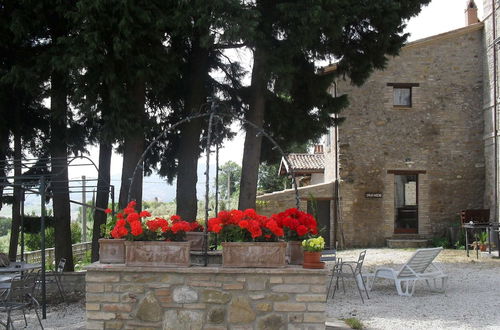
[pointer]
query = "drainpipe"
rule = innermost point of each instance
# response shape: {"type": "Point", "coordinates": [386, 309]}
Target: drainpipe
{"type": "Point", "coordinates": [337, 227]}
{"type": "Point", "coordinates": [495, 128]}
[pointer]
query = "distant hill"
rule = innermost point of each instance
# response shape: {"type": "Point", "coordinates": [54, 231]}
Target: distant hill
{"type": "Point", "coordinates": [154, 187]}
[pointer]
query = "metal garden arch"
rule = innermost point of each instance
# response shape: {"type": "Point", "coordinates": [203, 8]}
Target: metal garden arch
{"type": "Point", "coordinates": [212, 114]}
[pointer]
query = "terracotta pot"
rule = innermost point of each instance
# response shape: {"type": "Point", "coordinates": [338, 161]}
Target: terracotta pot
{"type": "Point", "coordinates": [253, 254]}
{"type": "Point", "coordinates": [157, 253]}
{"type": "Point", "coordinates": [294, 253]}
{"type": "Point", "coordinates": [196, 239]}
{"type": "Point", "coordinates": [312, 260]}
{"type": "Point", "coordinates": [111, 251]}
{"type": "Point", "coordinates": [482, 247]}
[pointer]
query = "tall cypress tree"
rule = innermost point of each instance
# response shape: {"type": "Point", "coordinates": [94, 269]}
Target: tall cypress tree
{"type": "Point", "coordinates": [360, 34]}
{"type": "Point", "coordinates": [21, 108]}
{"type": "Point", "coordinates": [123, 48]}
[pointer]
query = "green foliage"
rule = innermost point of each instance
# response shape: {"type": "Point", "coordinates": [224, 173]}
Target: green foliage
{"type": "Point", "coordinates": [4, 243]}
{"type": "Point", "coordinates": [33, 241]}
{"type": "Point", "coordinates": [159, 209]}
{"type": "Point", "coordinates": [482, 237]}
{"type": "Point", "coordinates": [441, 242]}
{"type": "Point", "coordinates": [270, 180]}
{"type": "Point", "coordinates": [5, 225]}
{"type": "Point", "coordinates": [80, 263]}
{"type": "Point", "coordinates": [354, 323]}
{"type": "Point", "coordinates": [230, 173]}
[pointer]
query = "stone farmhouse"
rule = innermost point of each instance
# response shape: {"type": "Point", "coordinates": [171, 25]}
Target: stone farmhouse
{"type": "Point", "coordinates": [418, 143]}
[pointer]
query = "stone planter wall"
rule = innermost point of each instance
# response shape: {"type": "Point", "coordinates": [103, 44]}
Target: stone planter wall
{"type": "Point", "coordinates": [120, 297]}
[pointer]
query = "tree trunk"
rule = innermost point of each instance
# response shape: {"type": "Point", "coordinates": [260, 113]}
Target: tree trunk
{"type": "Point", "coordinates": [59, 163]}
{"type": "Point", "coordinates": [16, 206]}
{"type": "Point", "coordinates": [251, 153]}
{"type": "Point", "coordinates": [102, 196]}
{"type": "Point", "coordinates": [4, 148]}
{"type": "Point", "coordinates": [186, 201]}
{"type": "Point", "coordinates": [133, 149]}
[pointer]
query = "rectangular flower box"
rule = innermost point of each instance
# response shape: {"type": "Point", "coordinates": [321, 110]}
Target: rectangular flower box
{"type": "Point", "coordinates": [157, 253]}
{"type": "Point", "coordinates": [253, 254]}
{"type": "Point", "coordinates": [111, 251]}
{"type": "Point", "coordinates": [196, 239]}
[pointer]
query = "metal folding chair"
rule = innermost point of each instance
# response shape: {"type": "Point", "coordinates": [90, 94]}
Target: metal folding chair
{"type": "Point", "coordinates": [349, 269]}
{"type": "Point", "coordinates": [20, 296]}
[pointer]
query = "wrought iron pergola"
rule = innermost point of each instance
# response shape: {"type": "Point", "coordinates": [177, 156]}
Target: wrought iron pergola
{"type": "Point", "coordinates": [39, 180]}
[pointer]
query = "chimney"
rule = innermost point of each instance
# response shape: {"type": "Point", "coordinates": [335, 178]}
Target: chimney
{"type": "Point", "coordinates": [318, 149]}
{"type": "Point", "coordinates": [471, 13]}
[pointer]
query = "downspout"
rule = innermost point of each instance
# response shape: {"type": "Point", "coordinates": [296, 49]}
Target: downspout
{"type": "Point", "coordinates": [495, 128]}
{"type": "Point", "coordinates": [338, 230]}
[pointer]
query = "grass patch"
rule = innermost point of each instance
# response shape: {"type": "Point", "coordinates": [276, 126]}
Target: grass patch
{"type": "Point", "coordinates": [354, 323]}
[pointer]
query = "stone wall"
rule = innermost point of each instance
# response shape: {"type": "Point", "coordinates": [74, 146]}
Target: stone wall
{"type": "Point", "coordinates": [73, 285]}
{"type": "Point", "coordinates": [441, 135]}
{"type": "Point", "coordinates": [120, 297]}
{"type": "Point", "coordinates": [488, 101]}
{"type": "Point", "coordinates": [279, 201]}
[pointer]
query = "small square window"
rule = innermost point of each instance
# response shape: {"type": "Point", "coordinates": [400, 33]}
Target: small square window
{"type": "Point", "coordinates": [402, 94]}
{"type": "Point", "coordinates": [402, 97]}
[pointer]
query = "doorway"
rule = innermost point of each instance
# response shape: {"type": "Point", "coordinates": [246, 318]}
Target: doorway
{"type": "Point", "coordinates": [406, 203]}
{"type": "Point", "coordinates": [320, 209]}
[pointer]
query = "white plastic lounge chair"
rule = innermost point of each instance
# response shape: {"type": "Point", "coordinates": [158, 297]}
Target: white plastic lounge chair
{"type": "Point", "coordinates": [418, 268]}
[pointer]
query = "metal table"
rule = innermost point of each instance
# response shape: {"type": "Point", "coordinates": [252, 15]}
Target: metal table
{"type": "Point", "coordinates": [17, 267]}
{"type": "Point", "coordinates": [490, 227]}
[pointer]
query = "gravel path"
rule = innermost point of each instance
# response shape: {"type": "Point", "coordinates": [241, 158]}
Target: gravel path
{"type": "Point", "coordinates": [471, 301]}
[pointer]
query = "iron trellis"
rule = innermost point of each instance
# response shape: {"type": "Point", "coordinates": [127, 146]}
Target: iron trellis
{"type": "Point", "coordinates": [39, 183]}
{"type": "Point", "coordinates": [212, 114]}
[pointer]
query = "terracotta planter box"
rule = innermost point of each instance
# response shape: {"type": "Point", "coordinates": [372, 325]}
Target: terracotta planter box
{"type": "Point", "coordinates": [196, 240]}
{"type": "Point", "coordinates": [157, 254]}
{"type": "Point", "coordinates": [294, 253]}
{"type": "Point", "coordinates": [253, 254]}
{"type": "Point", "coordinates": [111, 251]}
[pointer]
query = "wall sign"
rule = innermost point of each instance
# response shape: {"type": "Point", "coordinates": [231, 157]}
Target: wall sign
{"type": "Point", "coordinates": [373, 195]}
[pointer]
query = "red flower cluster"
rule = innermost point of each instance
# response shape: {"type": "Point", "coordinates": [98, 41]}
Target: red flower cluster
{"type": "Point", "coordinates": [296, 223]}
{"type": "Point", "coordinates": [129, 224]}
{"type": "Point", "coordinates": [258, 226]}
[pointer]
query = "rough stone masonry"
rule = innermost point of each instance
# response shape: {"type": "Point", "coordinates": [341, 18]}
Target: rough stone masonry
{"type": "Point", "coordinates": [215, 298]}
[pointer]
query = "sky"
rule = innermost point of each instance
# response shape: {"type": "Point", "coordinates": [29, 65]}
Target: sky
{"type": "Point", "coordinates": [438, 17]}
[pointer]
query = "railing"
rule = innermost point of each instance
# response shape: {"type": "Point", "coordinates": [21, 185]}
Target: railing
{"type": "Point", "coordinates": [34, 257]}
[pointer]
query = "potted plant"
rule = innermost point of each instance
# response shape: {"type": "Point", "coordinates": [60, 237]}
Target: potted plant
{"type": "Point", "coordinates": [156, 242]}
{"type": "Point", "coordinates": [297, 226]}
{"type": "Point", "coordinates": [248, 239]}
{"type": "Point", "coordinates": [312, 252]}
{"type": "Point", "coordinates": [111, 250]}
{"type": "Point", "coordinates": [483, 241]}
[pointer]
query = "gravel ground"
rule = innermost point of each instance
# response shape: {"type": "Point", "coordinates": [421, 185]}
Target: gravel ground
{"type": "Point", "coordinates": [471, 300]}
{"type": "Point", "coordinates": [61, 316]}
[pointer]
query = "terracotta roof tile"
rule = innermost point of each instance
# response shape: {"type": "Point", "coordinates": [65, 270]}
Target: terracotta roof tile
{"type": "Point", "coordinates": [304, 163]}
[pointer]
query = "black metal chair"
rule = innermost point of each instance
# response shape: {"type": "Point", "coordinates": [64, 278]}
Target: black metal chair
{"type": "Point", "coordinates": [56, 277]}
{"type": "Point", "coordinates": [349, 269]}
{"type": "Point", "coordinates": [20, 296]}
{"type": "Point", "coordinates": [329, 255]}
